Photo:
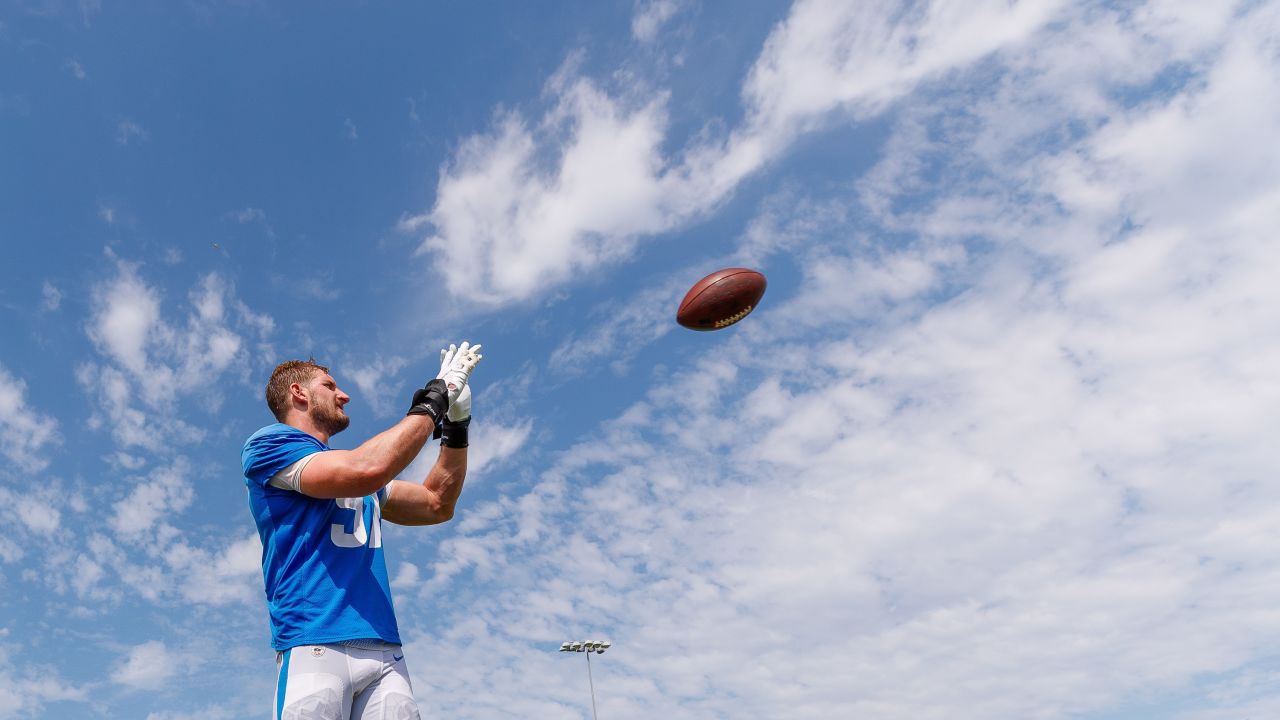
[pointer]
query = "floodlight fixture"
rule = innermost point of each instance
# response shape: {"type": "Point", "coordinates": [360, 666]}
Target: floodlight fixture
{"type": "Point", "coordinates": [588, 646]}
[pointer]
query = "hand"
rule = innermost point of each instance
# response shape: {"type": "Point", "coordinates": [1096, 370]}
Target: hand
{"type": "Point", "coordinates": [460, 409]}
{"type": "Point", "coordinates": [456, 365]}
{"type": "Point", "coordinates": [432, 401]}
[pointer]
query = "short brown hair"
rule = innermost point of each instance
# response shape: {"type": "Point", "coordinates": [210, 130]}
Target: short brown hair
{"type": "Point", "coordinates": [286, 374]}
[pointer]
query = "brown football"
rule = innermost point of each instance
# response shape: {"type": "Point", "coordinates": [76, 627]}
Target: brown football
{"type": "Point", "coordinates": [721, 299]}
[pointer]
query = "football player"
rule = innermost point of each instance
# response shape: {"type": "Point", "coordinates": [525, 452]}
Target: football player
{"type": "Point", "coordinates": [319, 513]}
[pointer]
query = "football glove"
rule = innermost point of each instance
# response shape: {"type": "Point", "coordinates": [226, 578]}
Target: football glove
{"type": "Point", "coordinates": [432, 401]}
{"type": "Point", "coordinates": [456, 365]}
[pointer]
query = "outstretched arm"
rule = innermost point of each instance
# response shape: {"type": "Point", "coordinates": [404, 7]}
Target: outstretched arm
{"type": "Point", "coordinates": [435, 499]}
{"type": "Point", "coordinates": [365, 470]}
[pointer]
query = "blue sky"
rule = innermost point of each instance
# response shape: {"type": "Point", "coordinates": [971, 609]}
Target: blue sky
{"type": "Point", "coordinates": [996, 444]}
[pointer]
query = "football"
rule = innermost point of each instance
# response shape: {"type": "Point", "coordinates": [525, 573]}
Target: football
{"type": "Point", "coordinates": [721, 299]}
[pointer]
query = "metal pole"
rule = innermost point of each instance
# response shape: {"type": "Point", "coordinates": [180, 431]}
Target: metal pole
{"type": "Point", "coordinates": [593, 687]}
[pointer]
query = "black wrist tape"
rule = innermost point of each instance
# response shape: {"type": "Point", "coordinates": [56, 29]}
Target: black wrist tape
{"type": "Point", "coordinates": [455, 433]}
{"type": "Point", "coordinates": [432, 401]}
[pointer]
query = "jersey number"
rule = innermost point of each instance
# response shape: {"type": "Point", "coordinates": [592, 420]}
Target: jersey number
{"type": "Point", "coordinates": [359, 536]}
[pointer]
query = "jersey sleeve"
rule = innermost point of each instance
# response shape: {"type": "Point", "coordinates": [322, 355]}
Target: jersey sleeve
{"type": "Point", "coordinates": [290, 478]}
{"type": "Point", "coordinates": [266, 454]}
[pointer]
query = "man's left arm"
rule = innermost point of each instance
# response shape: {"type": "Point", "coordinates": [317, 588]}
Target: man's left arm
{"type": "Point", "coordinates": [434, 500]}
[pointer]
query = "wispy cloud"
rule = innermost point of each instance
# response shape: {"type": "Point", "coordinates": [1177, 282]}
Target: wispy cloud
{"type": "Point", "coordinates": [371, 379]}
{"type": "Point", "coordinates": [650, 16]}
{"type": "Point", "coordinates": [166, 491]}
{"type": "Point", "coordinates": [493, 443]}
{"type": "Point", "coordinates": [76, 69]}
{"type": "Point", "coordinates": [148, 358]}
{"type": "Point", "coordinates": [148, 666]}
{"type": "Point", "coordinates": [129, 132]}
{"type": "Point", "coordinates": [50, 297]}
{"type": "Point", "coordinates": [254, 216]}
{"type": "Point", "coordinates": [26, 434]}
{"type": "Point", "coordinates": [28, 690]}
{"type": "Point", "coordinates": [88, 10]}
{"type": "Point", "coordinates": [618, 330]}
{"type": "Point", "coordinates": [319, 285]}
{"type": "Point", "coordinates": [1029, 437]}
{"type": "Point", "coordinates": [532, 204]}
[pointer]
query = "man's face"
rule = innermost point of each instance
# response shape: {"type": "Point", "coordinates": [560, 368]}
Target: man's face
{"type": "Point", "coordinates": [326, 401]}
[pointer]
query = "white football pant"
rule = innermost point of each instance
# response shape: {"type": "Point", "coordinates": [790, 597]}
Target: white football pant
{"type": "Point", "coordinates": [338, 682]}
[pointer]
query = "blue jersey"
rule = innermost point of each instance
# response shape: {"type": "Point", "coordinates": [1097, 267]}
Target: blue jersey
{"type": "Point", "coordinates": [322, 561]}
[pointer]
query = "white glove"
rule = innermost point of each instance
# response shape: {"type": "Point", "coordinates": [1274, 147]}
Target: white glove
{"type": "Point", "coordinates": [460, 409]}
{"type": "Point", "coordinates": [456, 364]}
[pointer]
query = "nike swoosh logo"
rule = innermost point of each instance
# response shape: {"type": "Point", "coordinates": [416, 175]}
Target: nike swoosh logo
{"type": "Point", "coordinates": [397, 658]}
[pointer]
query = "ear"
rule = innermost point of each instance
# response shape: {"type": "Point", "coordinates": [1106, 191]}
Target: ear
{"type": "Point", "coordinates": [298, 394]}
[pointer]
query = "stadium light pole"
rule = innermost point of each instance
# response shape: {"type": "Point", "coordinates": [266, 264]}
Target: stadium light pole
{"type": "Point", "coordinates": [588, 647]}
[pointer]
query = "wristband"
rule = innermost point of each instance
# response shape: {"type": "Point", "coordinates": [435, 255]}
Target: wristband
{"type": "Point", "coordinates": [455, 433]}
{"type": "Point", "coordinates": [432, 401]}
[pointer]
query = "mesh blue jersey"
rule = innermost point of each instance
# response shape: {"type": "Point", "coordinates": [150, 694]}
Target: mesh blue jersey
{"type": "Point", "coordinates": [322, 562]}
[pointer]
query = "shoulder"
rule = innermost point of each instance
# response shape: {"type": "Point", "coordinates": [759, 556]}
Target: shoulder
{"type": "Point", "coordinates": [275, 447]}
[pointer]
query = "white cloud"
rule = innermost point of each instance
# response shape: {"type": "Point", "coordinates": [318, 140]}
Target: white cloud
{"type": "Point", "coordinates": [128, 315]}
{"type": "Point", "coordinates": [529, 207]}
{"type": "Point", "coordinates": [76, 69]}
{"type": "Point", "coordinates": [50, 297]}
{"type": "Point", "coordinates": [25, 433]}
{"type": "Point", "coordinates": [230, 575]}
{"type": "Point", "coordinates": [127, 461]}
{"type": "Point", "coordinates": [618, 330]}
{"type": "Point", "coordinates": [148, 666]}
{"type": "Point", "coordinates": [129, 132]}
{"type": "Point", "coordinates": [249, 215]}
{"type": "Point", "coordinates": [150, 360]}
{"type": "Point", "coordinates": [371, 381]}
{"type": "Point", "coordinates": [1020, 465]}
{"type": "Point", "coordinates": [88, 9]}
{"type": "Point", "coordinates": [86, 579]}
{"type": "Point", "coordinates": [492, 443]}
{"type": "Point", "coordinates": [37, 514]}
{"type": "Point", "coordinates": [406, 579]}
{"type": "Point", "coordinates": [157, 560]}
{"type": "Point", "coordinates": [510, 227]}
{"type": "Point", "coordinates": [650, 16]}
{"type": "Point", "coordinates": [352, 132]}
{"type": "Point", "coordinates": [254, 216]}
{"type": "Point", "coordinates": [30, 514]}
{"type": "Point", "coordinates": [166, 491]}
{"type": "Point", "coordinates": [828, 54]}
{"type": "Point", "coordinates": [25, 690]}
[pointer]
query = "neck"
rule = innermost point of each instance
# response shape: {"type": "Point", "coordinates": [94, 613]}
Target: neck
{"type": "Point", "coordinates": [303, 422]}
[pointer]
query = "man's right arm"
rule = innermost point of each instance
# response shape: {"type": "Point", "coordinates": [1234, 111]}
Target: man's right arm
{"type": "Point", "coordinates": [366, 469]}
